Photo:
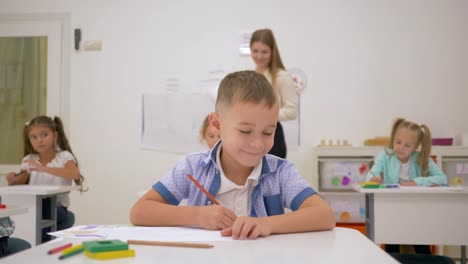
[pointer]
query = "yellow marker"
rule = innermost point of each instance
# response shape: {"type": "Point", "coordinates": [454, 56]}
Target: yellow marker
{"type": "Point", "coordinates": [111, 254]}
{"type": "Point", "coordinates": [68, 250]}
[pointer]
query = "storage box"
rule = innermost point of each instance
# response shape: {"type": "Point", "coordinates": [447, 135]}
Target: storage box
{"type": "Point", "coordinates": [442, 141]}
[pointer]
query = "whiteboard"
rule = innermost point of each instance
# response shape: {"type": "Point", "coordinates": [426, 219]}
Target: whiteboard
{"type": "Point", "coordinates": [171, 122]}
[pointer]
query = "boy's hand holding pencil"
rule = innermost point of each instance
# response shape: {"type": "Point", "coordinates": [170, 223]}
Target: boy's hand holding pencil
{"type": "Point", "coordinates": [213, 217]}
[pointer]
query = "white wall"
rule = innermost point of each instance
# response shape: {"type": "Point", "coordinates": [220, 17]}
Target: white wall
{"type": "Point", "coordinates": [367, 62]}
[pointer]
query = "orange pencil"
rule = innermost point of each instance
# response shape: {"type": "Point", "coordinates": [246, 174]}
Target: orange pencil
{"type": "Point", "coordinates": [168, 244]}
{"type": "Point", "coordinates": [203, 189]}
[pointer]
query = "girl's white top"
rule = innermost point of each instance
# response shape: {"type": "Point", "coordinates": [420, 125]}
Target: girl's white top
{"type": "Point", "coordinates": [404, 172]}
{"type": "Point", "coordinates": [43, 178]}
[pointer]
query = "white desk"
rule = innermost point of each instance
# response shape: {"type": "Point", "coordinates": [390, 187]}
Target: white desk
{"type": "Point", "coordinates": [417, 215]}
{"type": "Point", "coordinates": [30, 224]}
{"type": "Point", "coordinates": [11, 210]}
{"type": "Point", "coordinates": [340, 245]}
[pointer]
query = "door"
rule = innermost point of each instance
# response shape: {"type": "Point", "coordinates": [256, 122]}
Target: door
{"type": "Point", "coordinates": [32, 78]}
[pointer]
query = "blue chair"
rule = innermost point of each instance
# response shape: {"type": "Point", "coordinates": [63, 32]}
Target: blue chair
{"type": "Point", "coordinates": [12, 245]}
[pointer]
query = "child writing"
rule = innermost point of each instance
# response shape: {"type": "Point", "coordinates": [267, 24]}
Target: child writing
{"type": "Point", "coordinates": [402, 164]}
{"type": "Point", "coordinates": [253, 188]}
{"type": "Point", "coordinates": [208, 133]}
{"type": "Point", "coordinates": [48, 160]}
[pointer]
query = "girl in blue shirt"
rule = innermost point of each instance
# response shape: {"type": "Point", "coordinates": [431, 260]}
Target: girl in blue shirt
{"type": "Point", "coordinates": [402, 164]}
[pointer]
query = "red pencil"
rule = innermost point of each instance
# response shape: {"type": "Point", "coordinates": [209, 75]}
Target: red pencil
{"type": "Point", "coordinates": [203, 189]}
{"type": "Point", "coordinates": [58, 249]}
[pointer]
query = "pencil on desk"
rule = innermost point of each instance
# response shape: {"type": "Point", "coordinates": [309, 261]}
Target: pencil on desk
{"type": "Point", "coordinates": [203, 189]}
{"type": "Point", "coordinates": [73, 251]}
{"type": "Point", "coordinates": [58, 249]}
{"type": "Point", "coordinates": [168, 244]}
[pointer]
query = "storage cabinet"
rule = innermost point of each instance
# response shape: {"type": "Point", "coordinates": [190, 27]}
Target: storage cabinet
{"type": "Point", "coordinates": [336, 170]}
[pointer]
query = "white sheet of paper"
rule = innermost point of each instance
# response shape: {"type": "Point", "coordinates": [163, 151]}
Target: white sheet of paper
{"type": "Point", "coordinates": [124, 233]}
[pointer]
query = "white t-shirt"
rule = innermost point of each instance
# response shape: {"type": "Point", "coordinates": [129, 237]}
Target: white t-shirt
{"type": "Point", "coordinates": [43, 178]}
{"type": "Point", "coordinates": [235, 197]}
{"type": "Point", "coordinates": [404, 172]}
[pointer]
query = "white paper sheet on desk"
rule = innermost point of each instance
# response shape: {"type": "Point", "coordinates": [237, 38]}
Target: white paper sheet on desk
{"type": "Point", "coordinates": [172, 234]}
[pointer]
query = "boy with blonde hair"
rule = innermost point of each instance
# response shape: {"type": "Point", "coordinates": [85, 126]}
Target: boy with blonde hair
{"type": "Point", "coordinates": [252, 187]}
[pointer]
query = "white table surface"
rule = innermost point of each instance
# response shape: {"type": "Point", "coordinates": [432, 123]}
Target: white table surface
{"type": "Point", "coordinates": [341, 245]}
{"type": "Point", "coordinates": [417, 215]}
{"type": "Point", "coordinates": [36, 189]}
{"type": "Point", "coordinates": [12, 210]}
{"type": "Point", "coordinates": [28, 225]}
{"type": "Point", "coordinates": [413, 189]}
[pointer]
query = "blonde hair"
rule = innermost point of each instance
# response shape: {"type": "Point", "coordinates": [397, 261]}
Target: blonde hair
{"type": "Point", "coordinates": [245, 87]}
{"type": "Point", "coordinates": [423, 139]}
{"type": "Point", "coordinates": [204, 127]}
{"type": "Point", "coordinates": [56, 126]}
{"type": "Point", "coordinates": [266, 37]}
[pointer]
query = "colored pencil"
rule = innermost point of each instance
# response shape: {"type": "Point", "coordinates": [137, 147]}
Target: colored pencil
{"type": "Point", "coordinates": [72, 253]}
{"type": "Point", "coordinates": [73, 249]}
{"type": "Point", "coordinates": [58, 249]}
{"type": "Point", "coordinates": [203, 189]}
{"type": "Point", "coordinates": [168, 244]}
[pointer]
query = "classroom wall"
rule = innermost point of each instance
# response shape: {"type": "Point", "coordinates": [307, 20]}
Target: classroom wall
{"type": "Point", "coordinates": [366, 61]}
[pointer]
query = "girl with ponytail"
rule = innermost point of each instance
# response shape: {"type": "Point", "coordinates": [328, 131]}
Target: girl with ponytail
{"type": "Point", "coordinates": [48, 160]}
{"type": "Point", "coordinates": [407, 161]}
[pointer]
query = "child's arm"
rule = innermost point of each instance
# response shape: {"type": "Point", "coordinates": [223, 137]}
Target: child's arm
{"type": "Point", "coordinates": [17, 179]}
{"type": "Point", "coordinates": [70, 171]}
{"type": "Point", "coordinates": [314, 214]}
{"type": "Point", "coordinates": [374, 174]}
{"type": "Point", "coordinates": [435, 176]}
{"type": "Point", "coordinates": [153, 210]}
